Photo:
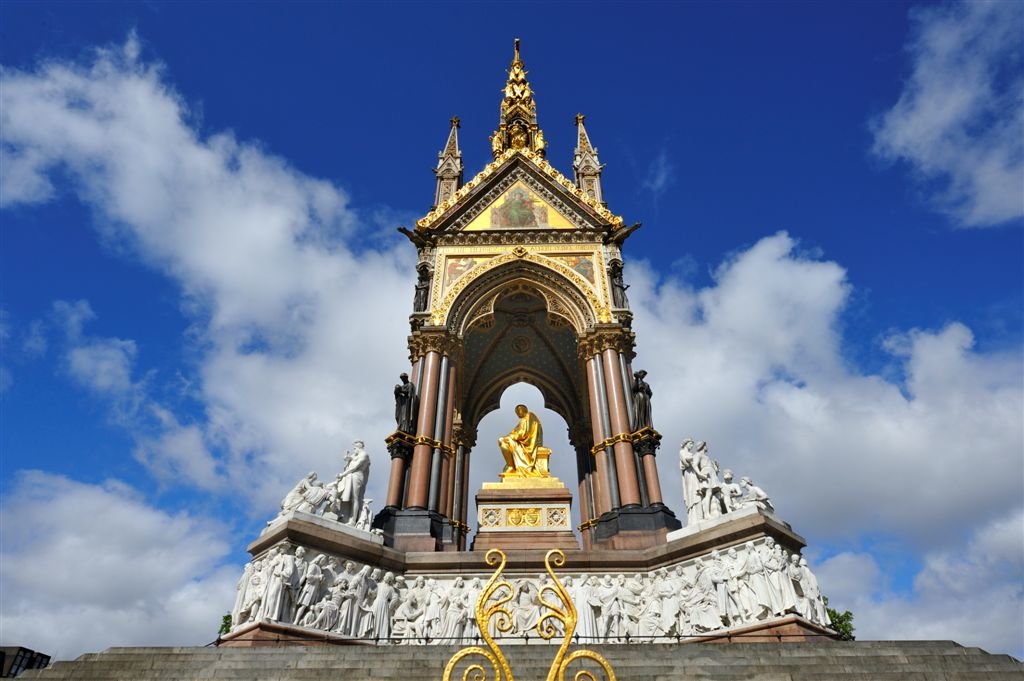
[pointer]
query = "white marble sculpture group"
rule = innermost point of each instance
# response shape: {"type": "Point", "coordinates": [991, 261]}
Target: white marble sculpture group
{"type": "Point", "coordinates": [708, 495]}
{"type": "Point", "coordinates": [736, 586]}
{"type": "Point", "coordinates": [743, 585]}
{"type": "Point", "coordinates": [343, 499]}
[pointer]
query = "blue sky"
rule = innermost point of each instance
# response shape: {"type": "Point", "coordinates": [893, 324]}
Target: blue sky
{"type": "Point", "coordinates": [198, 206]}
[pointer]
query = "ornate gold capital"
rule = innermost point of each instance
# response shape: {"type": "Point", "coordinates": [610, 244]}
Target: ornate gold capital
{"type": "Point", "coordinates": [617, 338]}
{"type": "Point", "coordinates": [440, 341]}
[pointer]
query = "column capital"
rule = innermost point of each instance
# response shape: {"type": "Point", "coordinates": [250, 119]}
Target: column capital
{"type": "Point", "coordinates": [613, 337]}
{"type": "Point", "coordinates": [437, 340]}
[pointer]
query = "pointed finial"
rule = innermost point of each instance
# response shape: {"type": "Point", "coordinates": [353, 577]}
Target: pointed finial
{"type": "Point", "coordinates": [516, 55]}
{"type": "Point", "coordinates": [455, 121]}
{"type": "Point", "coordinates": [579, 119]}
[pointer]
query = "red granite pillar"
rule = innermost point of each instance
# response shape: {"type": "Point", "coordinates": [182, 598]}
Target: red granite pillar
{"type": "Point", "coordinates": [419, 475]}
{"type": "Point", "coordinates": [629, 486]}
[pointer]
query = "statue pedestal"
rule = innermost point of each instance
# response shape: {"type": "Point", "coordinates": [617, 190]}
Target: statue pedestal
{"type": "Point", "coordinates": [524, 513]}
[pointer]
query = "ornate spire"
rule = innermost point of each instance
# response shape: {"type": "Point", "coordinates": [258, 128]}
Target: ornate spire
{"type": "Point", "coordinates": [517, 127]}
{"type": "Point", "coordinates": [449, 166]}
{"type": "Point", "coordinates": [585, 164]}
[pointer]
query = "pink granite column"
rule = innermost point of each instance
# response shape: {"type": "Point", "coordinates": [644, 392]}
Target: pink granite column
{"type": "Point", "coordinates": [629, 486]}
{"type": "Point", "coordinates": [419, 474]}
{"type": "Point", "coordinates": [602, 500]}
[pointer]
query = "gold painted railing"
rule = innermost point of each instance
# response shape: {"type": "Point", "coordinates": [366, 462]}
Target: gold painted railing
{"type": "Point", "coordinates": [559, 617]}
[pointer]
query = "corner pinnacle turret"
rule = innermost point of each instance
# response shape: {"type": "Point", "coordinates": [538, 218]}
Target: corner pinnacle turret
{"type": "Point", "coordinates": [585, 165]}
{"type": "Point", "coordinates": [517, 127]}
{"type": "Point", "coordinates": [449, 165]}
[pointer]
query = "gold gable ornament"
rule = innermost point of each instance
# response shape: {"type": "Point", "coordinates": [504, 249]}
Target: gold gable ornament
{"type": "Point", "coordinates": [559, 618]}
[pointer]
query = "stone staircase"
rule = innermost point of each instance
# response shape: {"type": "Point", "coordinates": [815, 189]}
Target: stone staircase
{"type": "Point", "coordinates": [831, 661]}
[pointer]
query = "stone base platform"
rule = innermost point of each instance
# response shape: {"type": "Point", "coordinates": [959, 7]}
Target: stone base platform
{"type": "Point", "coordinates": [819, 661]}
{"type": "Point", "coordinates": [524, 513]}
{"type": "Point", "coordinates": [302, 529]}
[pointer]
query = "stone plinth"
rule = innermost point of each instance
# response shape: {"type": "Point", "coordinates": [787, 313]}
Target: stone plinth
{"type": "Point", "coordinates": [522, 513]}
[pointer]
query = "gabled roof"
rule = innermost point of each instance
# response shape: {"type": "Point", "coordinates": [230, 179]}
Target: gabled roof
{"type": "Point", "coordinates": [436, 219]}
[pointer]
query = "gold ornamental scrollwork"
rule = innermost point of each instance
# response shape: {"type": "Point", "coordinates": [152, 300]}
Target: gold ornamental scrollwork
{"type": "Point", "coordinates": [559, 619]}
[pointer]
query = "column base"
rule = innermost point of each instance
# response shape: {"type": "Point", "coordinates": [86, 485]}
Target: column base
{"type": "Point", "coordinates": [413, 529]}
{"type": "Point", "coordinates": [635, 527]}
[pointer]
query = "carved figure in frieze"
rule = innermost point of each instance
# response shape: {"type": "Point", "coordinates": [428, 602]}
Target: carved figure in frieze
{"type": "Point", "coordinates": [453, 622]}
{"type": "Point", "coordinates": [610, 621]}
{"type": "Point", "coordinates": [703, 603]}
{"type": "Point", "coordinates": [432, 599]}
{"type": "Point", "coordinates": [473, 591]}
{"type": "Point", "coordinates": [309, 592]}
{"type": "Point", "coordinates": [650, 611]}
{"type": "Point", "coordinates": [727, 587]}
{"type": "Point", "coordinates": [588, 608]}
{"type": "Point", "coordinates": [407, 619]}
{"type": "Point", "coordinates": [277, 598]}
{"type": "Point", "coordinates": [816, 606]}
{"type": "Point", "coordinates": [349, 590]}
{"type": "Point", "coordinates": [796, 575]}
{"type": "Point", "coordinates": [526, 612]}
{"type": "Point", "coordinates": [641, 402]}
{"type": "Point", "coordinates": [385, 602]}
{"type": "Point", "coordinates": [757, 581]}
{"type": "Point", "coordinates": [240, 591]}
{"type": "Point", "coordinates": [406, 405]}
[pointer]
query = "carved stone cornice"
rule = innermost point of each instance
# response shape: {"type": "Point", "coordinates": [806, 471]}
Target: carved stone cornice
{"type": "Point", "coordinates": [434, 340]}
{"type": "Point", "coordinates": [616, 337]}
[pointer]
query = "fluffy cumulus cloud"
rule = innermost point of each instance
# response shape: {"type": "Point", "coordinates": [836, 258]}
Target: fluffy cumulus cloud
{"type": "Point", "coordinates": [754, 365]}
{"type": "Point", "coordinates": [281, 304]}
{"type": "Point", "coordinates": [86, 566]}
{"type": "Point", "coordinates": [972, 594]}
{"type": "Point", "coordinates": [958, 121]}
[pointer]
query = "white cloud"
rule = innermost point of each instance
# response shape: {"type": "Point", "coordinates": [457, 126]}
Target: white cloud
{"type": "Point", "coordinates": [660, 174]}
{"type": "Point", "coordinates": [958, 122]}
{"type": "Point", "coordinates": [754, 365]}
{"type": "Point", "coordinates": [289, 323]}
{"type": "Point", "coordinates": [88, 565]}
{"type": "Point", "coordinates": [971, 593]}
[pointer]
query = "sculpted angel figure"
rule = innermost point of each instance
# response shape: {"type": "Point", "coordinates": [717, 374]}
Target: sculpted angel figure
{"type": "Point", "coordinates": [521, 447]}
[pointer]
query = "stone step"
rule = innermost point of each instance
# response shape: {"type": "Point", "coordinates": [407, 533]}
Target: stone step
{"type": "Point", "coordinates": [856, 661]}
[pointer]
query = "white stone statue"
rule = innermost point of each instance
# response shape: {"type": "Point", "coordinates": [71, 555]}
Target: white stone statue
{"type": "Point", "coordinates": [588, 607]}
{"type": "Point", "coordinates": [277, 598]}
{"type": "Point", "coordinates": [351, 483]}
{"type": "Point", "coordinates": [407, 619]}
{"type": "Point", "coordinates": [755, 496]}
{"type": "Point", "coordinates": [732, 493]}
{"type": "Point", "coordinates": [432, 598]}
{"type": "Point", "coordinates": [365, 517]}
{"type": "Point", "coordinates": [307, 496]}
{"type": "Point", "coordinates": [688, 465]}
{"type": "Point", "coordinates": [526, 611]}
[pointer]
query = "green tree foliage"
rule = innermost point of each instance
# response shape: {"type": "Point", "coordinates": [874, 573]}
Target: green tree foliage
{"type": "Point", "coordinates": [225, 624]}
{"type": "Point", "coordinates": [842, 622]}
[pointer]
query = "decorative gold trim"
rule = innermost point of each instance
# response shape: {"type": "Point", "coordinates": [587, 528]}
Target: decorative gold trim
{"type": "Point", "coordinates": [428, 221]}
{"type": "Point", "coordinates": [560, 619]}
{"type": "Point", "coordinates": [610, 442]}
{"type": "Point", "coordinates": [599, 308]}
{"type": "Point", "coordinates": [617, 338]}
{"type": "Point", "coordinates": [434, 444]}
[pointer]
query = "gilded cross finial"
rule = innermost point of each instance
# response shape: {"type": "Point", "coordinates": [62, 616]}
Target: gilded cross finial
{"type": "Point", "coordinates": [455, 121]}
{"type": "Point", "coordinates": [579, 119]}
{"type": "Point", "coordinates": [518, 127]}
